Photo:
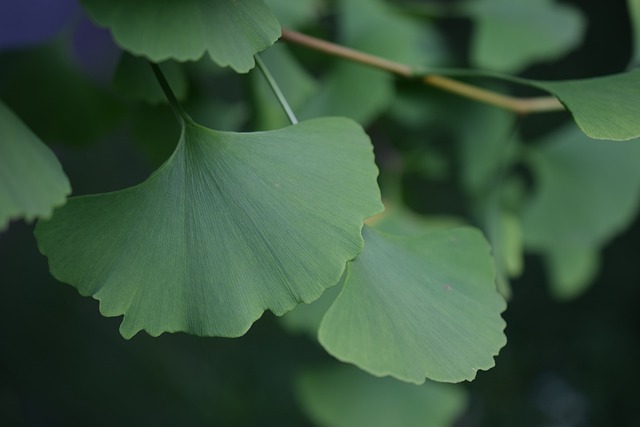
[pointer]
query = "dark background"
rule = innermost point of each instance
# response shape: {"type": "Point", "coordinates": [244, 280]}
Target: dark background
{"type": "Point", "coordinates": [567, 364]}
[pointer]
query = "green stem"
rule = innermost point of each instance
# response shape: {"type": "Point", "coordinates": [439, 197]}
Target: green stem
{"type": "Point", "coordinates": [276, 90]}
{"type": "Point", "coordinates": [181, 115]}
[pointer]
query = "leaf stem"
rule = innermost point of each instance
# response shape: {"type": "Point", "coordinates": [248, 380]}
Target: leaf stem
{"type": "Point", "coordinates": [521, 106]}
{"type": "Point", "coordinates": [276, 90]}
{"type": "Point", "coordinates": [181, 115]}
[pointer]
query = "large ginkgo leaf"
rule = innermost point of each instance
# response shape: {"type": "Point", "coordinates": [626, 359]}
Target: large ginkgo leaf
{"type": "Point", "coordinates": [230, 226]}
{"type": "Point", "coordinates": [231, 32]}
{"type": "Point", "coordinates": [418, 307]}
{"type": "Point", "coordinates": [32, 182]}
{"type": "Point", "coordinates": [343, 396]}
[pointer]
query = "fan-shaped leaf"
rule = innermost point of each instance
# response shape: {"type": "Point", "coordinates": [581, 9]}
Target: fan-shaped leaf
{"type": "Point", "coordinates": [603, 107]}
{"type": "Point", "coordinates": [231, 32]}
{"type": "Point", "coordinates": [32, 182]}
{"type": "Point", "coordinates": [343, 396]}
{"type": "Point", "coordinates": [418, 307]}
{"type": "Point", "coordinates": [230, 226]}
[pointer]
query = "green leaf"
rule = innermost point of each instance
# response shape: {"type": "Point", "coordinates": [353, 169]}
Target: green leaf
{"type": "Point", "coordinates": [343, 396]}
{"type": "Point", "coordinates": [586, 191]}
{"type": "Point", "coordinates": [231, 32]}
{"type": "Point", "coordinates": [230, 226]}
{"type": "Point", "coordinates": [571, 269]}
{"type": "Point", "coordinates": [133, 78]}
{"type": "Point", "coordinates": [603, 107]}
{"type": "Point", "coordinates": [418, 307]}
{"type": "Point", "coordinates": [486, 146]}
{"type": "Point", "coordinates": [509, 35]}
{"type": "Point", "coordinates": [32, 182]}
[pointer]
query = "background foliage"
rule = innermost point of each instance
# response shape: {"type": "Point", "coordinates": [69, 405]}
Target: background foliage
{"type": "Point", "coordinates": [545, 187]}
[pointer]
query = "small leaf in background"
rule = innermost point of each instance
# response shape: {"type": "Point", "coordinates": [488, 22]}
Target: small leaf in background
{"type": "Point", "coordinates": [420, 307]}
{"type": "Point", "coordinates": [586, 193]}
{"type": "Point", "coordinates": [357, 91]}
{"type": "Point", "coordinates": [134, 79]}
{"type": "Point", "coordinates": [231, 32]}
{"type": "Point", "coordinates": [512, 34]}
{"type": "Point", "coordinates": [486, 146]}
{"type": "Point", "coordinates": [32, 182]}
{"type": "Point", "coordinates": [343, 396]}
{"type": "Point", "coordinates": [233, 224]}
{"type": "Point", "coordinates": [571, 269]}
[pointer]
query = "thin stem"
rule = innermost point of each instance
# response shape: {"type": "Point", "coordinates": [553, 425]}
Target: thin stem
{"type": "Point", "coordinates": [181, 115]}
{"type": "Point", "coordinates": [520, 106]}
{"type": "Point", "coordinates": [276, 90]}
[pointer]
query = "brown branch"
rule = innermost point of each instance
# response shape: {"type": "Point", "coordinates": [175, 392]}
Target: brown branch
{"type": "Point", "coordinates": [520, 106]}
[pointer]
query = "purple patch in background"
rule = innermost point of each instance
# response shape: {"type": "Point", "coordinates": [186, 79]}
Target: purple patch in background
{"type": "Point", "coordinates": [94, 50]}
{"type": "Point", "coordinates": [28, 22]}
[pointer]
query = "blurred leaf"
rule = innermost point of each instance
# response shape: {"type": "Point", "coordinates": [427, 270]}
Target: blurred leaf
{"type": "Point", "coordinates": [571, 269]}
{"type": "Point", "coordinates": [511, 34]}
{"type": "Point", "coordinates": [343, 396]}
{"type": "Point", "coordinates": [71, 109]}
{"type": "Point", "coordinates": [586, 191]}
{"type": "Point", "coordinates": [293, 14]}
{"type": "Point", "coordinates": [485, 145]}
{"type": "Point", "coordinates": [134, 79]}
{"type": "Point", "coordinates": [231, 32]}
{"type": "Point", "coordinates": [32, 182]}
{"type": "Point", "coordinates": [358, 91]}
{"type": "Point", "coordinates": [231, 225]}
{"type": "Point", "coordinates": [418, 307]}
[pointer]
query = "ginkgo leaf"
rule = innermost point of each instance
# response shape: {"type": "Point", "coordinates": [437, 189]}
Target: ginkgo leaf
{"type": "Point", "coordinates": [231, 225]}
{"type": "Point", "coordinates": [418, 307]}
{"type": "Point", "coordinates": [231, 32]}
{"type": "Point", "coordinates": [571, 269]}
{"type": "Point", "coordinates": [586, 191]}
{"type": "Point", "coordinates": [343, 396]}
{"type": "Point", "coordinates": [603, 107]}
{"type": "Point", "coordinates": [32, 182]}
{"type": "Point", "coordinates": [511, 34]}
